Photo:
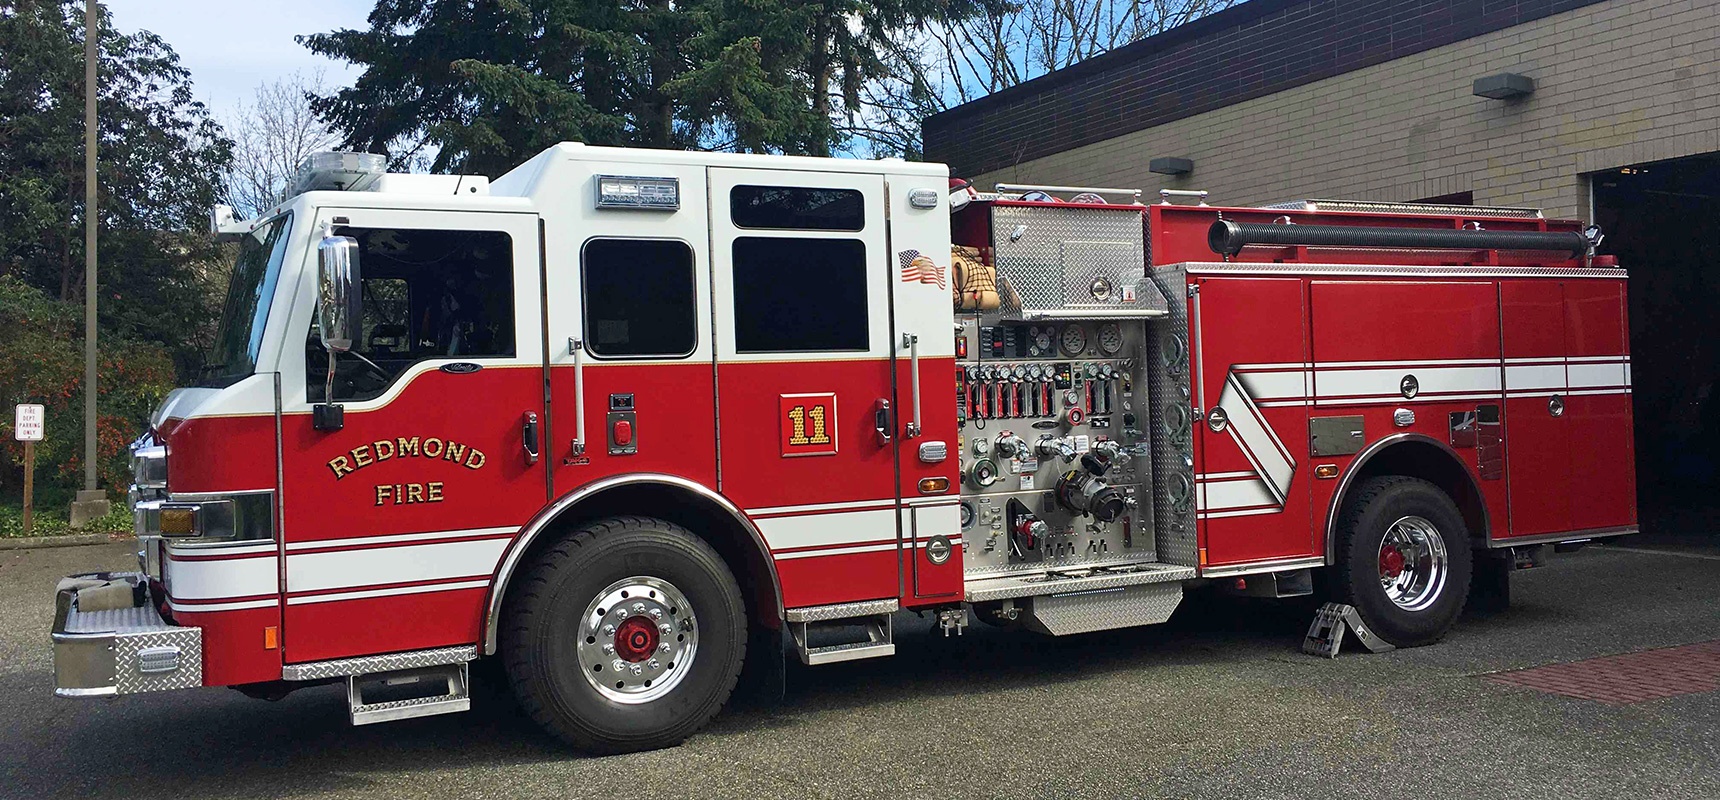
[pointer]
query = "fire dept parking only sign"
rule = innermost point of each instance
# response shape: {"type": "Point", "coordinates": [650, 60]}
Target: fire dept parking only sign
{"type": "Point", "coordinates": [29, 422]}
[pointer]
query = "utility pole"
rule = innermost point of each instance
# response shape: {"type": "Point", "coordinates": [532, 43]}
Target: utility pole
{"type": "Point", "coordinates": [91, 502]}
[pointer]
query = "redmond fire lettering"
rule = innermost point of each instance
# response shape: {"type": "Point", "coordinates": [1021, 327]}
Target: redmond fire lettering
{"type": "Point", "coordinates": [402, 447]}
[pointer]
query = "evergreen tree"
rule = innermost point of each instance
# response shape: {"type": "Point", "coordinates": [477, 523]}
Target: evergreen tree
{"type": "Point", "coordinates": [486, 85]}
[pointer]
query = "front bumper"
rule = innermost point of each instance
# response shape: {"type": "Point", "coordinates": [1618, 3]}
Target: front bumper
{"type": "Point", "coordinates": [119, 649]}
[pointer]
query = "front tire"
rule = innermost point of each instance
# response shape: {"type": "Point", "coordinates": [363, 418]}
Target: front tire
{"type": "Point", "coordinates": [628, 634]}
{"type": "Point", "coordinates": [1403, 559]}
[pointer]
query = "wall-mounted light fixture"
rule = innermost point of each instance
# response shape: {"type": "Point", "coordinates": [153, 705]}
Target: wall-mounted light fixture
{"type": "Point", "coordinates": [1170, 166]}
{"type": "Point", "coordinates": [1504, 86]}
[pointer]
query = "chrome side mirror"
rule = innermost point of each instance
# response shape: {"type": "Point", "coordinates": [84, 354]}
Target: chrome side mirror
{"type": "Point", "coordinates": [340, 310]}
{"type": "Point", "coordinates": [338, 302]}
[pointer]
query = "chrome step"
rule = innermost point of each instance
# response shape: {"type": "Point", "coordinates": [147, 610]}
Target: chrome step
{"type": "Point", "coordinates": [1064, 581]}
{"type": "Point", "coordinates": [851, 638]}
{"type": "Point", "coordinates": [439, 689]}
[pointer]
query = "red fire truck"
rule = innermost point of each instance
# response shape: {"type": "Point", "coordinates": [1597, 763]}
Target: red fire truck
{"type": "Point", "coordinates": [619, 415]}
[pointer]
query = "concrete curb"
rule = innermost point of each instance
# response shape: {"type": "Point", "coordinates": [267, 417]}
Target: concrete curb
{"type": "Point", "coordinates": [73, 540]}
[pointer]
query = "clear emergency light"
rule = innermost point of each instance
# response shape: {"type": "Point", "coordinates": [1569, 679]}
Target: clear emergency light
{"type": "Point", "coordinates": [337, 171]}
{"type": "Point", "coordinates": [624, 191]}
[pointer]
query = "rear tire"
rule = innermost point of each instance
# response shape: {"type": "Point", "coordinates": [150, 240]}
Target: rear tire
{"type": "Point", "coordinates": [628, 634]}
{"type": "Point", "coordinates": [1403, 559]}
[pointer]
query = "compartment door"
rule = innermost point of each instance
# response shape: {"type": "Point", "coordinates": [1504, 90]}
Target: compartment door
{"type": "Point", "coordinates": [1253, 358]}
{"type": "Point", "coordinates": [1537, 436]}
{"type": "Point", "coordinates": [1598, 407]}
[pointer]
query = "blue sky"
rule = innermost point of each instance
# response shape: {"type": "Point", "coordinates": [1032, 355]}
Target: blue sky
{"type": "Point", "coordinates": [231, 47]}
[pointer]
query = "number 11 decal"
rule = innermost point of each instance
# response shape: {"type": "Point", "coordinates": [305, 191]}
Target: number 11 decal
{"type": "Point", "coordinates": [808, 424]}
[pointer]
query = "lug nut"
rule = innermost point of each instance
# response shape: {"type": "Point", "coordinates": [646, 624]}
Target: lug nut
{"type": "Point", "coordinates": [618, 665]}
{"type": "Point", "coordinates": [637, 670]}
{"type": "Point", "coordinates": [656, 613]}
{"type": "Point", "coordinates": [638, 608]}
{"type": "Point", "coordinates": [609, 630]}
{"type": "Point", "coordinates": [665, 629]}
{"type": "Point", "coordinates": [609, 649]}
{"type": "Point", "coordinates": [663, 647]}
{"type": "Point", "coordinates": [654, 664]}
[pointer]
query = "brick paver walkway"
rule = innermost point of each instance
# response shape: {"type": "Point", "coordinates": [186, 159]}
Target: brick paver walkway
{"type": "Point", "coordinates": [1625, 679]}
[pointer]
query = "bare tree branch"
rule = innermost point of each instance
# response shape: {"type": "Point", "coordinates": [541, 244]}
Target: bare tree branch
{"type": "Point", "coordinates": [272, 135]}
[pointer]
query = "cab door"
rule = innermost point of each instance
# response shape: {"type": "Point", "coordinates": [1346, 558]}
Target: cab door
{"type": "Point", "coordinates": [806, 407]}
{"type": "Point", "coordinates": [393, 523]}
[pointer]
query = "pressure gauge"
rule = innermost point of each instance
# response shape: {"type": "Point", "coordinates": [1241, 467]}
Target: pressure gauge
{"type": "Point", "coordinates": [988, 372]}
{"type": "Point", "coordinates": [1041, 343]}
{"type": "Point", "coordinates": [1092, 370]}
{"type": "Point", "coordinates": [1107, 372]}
{"type": "Point", "coordinates": [1071, 397]}
{"type": "Point", "coordinates": [1073, 340]}
{"type": "Point", "coordinates": [1018, 372]}
{"type": "Point", "coordinates": [973, 372]}
{"type": "Point", "coordinates": [981, 446]}
{"type": "Point", "coordinates": [1110, 338]}
{"type": "Point", "coordinates": [1035, 371]}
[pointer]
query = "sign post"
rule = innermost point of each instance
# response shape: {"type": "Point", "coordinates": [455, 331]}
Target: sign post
{"type": "Point", "coordinates": [29, 421]}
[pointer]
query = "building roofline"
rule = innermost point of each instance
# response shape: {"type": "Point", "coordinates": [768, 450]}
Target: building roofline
{"type": "Point", "coordinates": [1234, 17]}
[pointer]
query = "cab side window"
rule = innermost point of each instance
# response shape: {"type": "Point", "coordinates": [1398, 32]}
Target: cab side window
{"type": "Point", "coordinates": [428, 294]}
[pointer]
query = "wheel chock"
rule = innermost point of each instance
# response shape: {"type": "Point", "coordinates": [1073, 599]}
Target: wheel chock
{"type": "Point", "coordinates": [1326, 634]}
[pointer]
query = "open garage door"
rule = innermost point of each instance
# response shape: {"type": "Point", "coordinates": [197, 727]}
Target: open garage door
{"type": "Point", "coordinates": [1663, 222]}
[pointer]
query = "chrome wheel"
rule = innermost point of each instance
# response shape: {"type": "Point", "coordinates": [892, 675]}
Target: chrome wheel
{"type": "Point", "coordinates": [637, 639]}
{"type": "Point", "coordinates": [1413, 563]}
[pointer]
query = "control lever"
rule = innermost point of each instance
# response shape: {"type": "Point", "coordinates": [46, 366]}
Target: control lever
{"type": "Point", "coordinates": [1015, 395]}
{"type": "Point", "coordinates": [881, 421]}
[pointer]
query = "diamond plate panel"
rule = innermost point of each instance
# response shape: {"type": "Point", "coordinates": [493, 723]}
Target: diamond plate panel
{"type": "Point", "coordinates": [864, 608]}
{"type": "Point", "coordinates": [1062, 615]}
{"type": "Point", "coordinates": [129, 678]}
{"type": "Point", "coordinates": [1169, 366]}
{"type": "Point", "coordinates": [1051, 257]}
{"type": "Point", "coordinates": [365, 665]}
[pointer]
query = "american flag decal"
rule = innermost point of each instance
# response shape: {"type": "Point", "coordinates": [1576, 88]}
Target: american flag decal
{"type": "Point", "coordinates": [917, 268]}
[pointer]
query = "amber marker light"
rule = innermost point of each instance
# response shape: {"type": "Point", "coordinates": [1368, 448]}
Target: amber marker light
{"type": "Point", "coordinates": [1326, 471]}
{"type": "Point", "coordinates": [934, 485]}
{"type": "Point", "coordinates": [178, 521]}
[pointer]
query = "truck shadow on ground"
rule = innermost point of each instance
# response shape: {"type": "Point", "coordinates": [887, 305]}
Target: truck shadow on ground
{"type": "Point", "coordinates": [224, 744]}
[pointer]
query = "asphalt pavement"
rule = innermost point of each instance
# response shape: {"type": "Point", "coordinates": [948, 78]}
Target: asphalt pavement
{"type": "Point", "coordinates": [1217, 703]}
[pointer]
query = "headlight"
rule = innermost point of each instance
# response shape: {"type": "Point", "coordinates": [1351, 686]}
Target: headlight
{"type": "Point", "coordinates": [149, 466]}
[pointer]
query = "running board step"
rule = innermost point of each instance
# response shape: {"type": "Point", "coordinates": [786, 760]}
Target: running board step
{"type": "Point", "coordinates": [844, 632]}
{"type": "Point", "coordinates": [1074, 580]}
{"type": "Point", "coordinates": [407, 693]}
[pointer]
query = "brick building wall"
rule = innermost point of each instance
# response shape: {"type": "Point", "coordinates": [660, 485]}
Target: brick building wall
{"type": "Point", "coordinates": [1618, 82]}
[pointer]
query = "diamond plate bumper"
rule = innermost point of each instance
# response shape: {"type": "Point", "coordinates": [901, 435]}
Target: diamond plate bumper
{"type": "Point", "coordinates": [121, 650]}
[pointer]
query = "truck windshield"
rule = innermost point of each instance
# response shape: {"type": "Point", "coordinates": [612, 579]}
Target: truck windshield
{"type": "Point", "coordinates": [249, 293]}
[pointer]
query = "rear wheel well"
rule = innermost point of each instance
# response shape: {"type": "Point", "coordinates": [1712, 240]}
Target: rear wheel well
{"type": "Point", "coordinates": [1430, 461]}
{"type": "Point", "coordinates": [707, 519]}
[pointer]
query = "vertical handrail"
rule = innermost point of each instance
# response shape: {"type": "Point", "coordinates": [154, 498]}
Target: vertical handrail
{"type": "Point", "coordinates": [574, 347]}
{"type": "Point", "coordinates": [912, 342]}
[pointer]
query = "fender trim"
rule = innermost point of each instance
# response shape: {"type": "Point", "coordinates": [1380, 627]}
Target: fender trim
{"type": "Point", "coordinates": [1367, 454]}
{"type": "Point", "coordinates": [552, 512]}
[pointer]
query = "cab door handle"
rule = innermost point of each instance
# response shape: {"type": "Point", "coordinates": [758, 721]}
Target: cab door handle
{"type": "Point", "coordinates": [531, 437]}
{"type": "Point", "coordinates": [881, 421]}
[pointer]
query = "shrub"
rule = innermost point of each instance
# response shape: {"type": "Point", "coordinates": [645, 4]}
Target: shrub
{"type": "Point", "coordinates": [42, 361]}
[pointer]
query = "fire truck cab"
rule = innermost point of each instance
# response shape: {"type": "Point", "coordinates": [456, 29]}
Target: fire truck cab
{"type": "Point", "coordinates": [619, 416]}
